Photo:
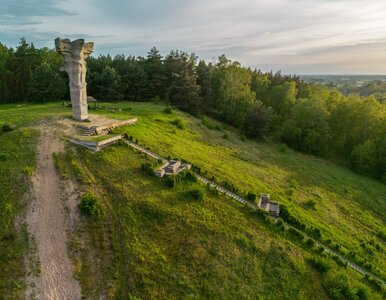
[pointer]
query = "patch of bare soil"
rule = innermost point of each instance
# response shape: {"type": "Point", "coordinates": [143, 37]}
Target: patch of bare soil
{"type": "Point", "coordinates": [46, 219]}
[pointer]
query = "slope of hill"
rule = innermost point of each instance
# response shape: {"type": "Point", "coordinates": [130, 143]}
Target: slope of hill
{"type": "Point", "coordinates": [158, 242]}
{"type": "Point", "coordinates": [347, 208]}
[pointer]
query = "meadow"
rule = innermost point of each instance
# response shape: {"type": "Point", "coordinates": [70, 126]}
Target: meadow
{"type": "Point", "coordinates": [349, 209]}
{"type": "Point", "coordinates": [154, 241]}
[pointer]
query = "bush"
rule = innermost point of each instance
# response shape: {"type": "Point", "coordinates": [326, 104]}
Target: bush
{"type": "Point", "coordinates": [251, 196]}
{"type": "Point", "coordinates": [320, 250]}
{"type": "Point", "coordinates": [197, 194]}
{"type": "Point", "coordinates": [130, 138]}
{"type": "Point", "coordinates": [147, 168]}
{"type": "Point", "coordinates": [338, 287]}
{"type": "Point", "coordinates": [226, 136]}
{"type": "Point", "coordinates": [290, 219]}
{"type": "Point", "coordinates": [196, 169]}
{"type": "Point", "coordinates": [170, 181]}
{"type": "Point", "coordinates": [321, 264]}
{"type": "Point", "coordinates": [168, 110]}
{"type": "Point", "coordinates": [27, 170]}
{"type": "Point", "coordinates": [381, 234]}
{"type": "Point", "coordinates": [314, 232]}
{"type": "Point", "coordinates": [179, 123]}
{"type": "Point", "coordinates": [363, 292]}
{"type": "Point", "coordinates": [6, 127]}
{"type": "Point", "coordinates": [185, 176]}
{"type": "Point", "coordinates": [3, 156]}
{"type": "Point", "coordinates": [283, 148]}
{"type": "Point", "coordinates": [217, 127]}
{"type": "Point", "coordinates": [310, 204]}
{"type": "Point", "coordinates": [339, 261]}
{"type": "Point", "coordinates": [279, 222]}
{"type": "Point", "coordinates": [90, 205]}
{"type": "Point", "coordinates": [310, 243]}
{"type": "Point", "coordinates": [205, 121]}
{"type": "Point", "coordinates": [296, 233]}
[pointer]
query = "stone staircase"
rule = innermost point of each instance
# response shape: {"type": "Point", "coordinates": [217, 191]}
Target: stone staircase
{"type": "Point", "coordinates": [89, 131]}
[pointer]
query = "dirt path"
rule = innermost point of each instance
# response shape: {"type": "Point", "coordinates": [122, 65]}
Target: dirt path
{"type": "Point", "coordinates": [47, 224]}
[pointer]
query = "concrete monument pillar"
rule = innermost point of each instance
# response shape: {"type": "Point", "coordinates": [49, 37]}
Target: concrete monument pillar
{"type": "Point", "coordinates": [74, 54]}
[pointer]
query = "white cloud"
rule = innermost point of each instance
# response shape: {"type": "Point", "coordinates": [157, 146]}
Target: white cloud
{"type": "Point", "coordinates": [346, 36]}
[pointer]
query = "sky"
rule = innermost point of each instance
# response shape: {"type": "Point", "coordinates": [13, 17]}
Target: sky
{"type": "Point", "coordinates": [294, 36]}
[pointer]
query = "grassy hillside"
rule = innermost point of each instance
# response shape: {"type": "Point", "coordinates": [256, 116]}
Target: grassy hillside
{"type": "Point", "coordinates": [17, 161]}
{"type": "Point", "coordinates": [158, 242]}
{"type": "Point", "coordinates": [348, 209]}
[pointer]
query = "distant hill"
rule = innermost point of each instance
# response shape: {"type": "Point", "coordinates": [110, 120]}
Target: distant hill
{"type": "Point", "coordinates": [342, 79]}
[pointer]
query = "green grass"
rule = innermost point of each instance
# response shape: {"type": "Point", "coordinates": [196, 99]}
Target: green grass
{"type": "Point", "coordinates": [31, 114]}
{"type": "Point", "coordinates": [157, 242]}
{"type": "Point", "coordinates": [17, 161]}
{"type": "Point", "coordinates": [348, 209]}
{"type": "Point", "coordinates": [168, 245]}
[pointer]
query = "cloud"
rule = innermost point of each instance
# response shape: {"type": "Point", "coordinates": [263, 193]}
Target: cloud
{"type": "Point", "coordinates": [292, 35]}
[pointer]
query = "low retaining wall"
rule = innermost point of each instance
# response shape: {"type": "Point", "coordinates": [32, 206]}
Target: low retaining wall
{"type": "Point", "coordinates": [106, 128]}
{"type": "Point", "coordinates": [96, 146]}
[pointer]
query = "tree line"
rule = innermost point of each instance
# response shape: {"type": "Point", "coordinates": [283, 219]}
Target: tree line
{"type": "Point", "coordinates": [308, 117]}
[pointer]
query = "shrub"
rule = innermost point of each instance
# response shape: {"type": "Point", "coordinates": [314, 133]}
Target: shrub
{"type": "Point", "coordinates": [321, 264]}
{"type": "Point", "coordinates": [185, 176]}
{"type": "Point", "coordinates": [363, 292]}
{"type": "Point", "coordinates": [283, 148]}
{"type": "Point", "coordinates": [27, 170]}
{"type": "Point", "coordinates": [6, 127]}
{"type": "Point", "coordinates": [156, 99]}
{"type": "Point", "coordinates": [338, 287]}
{"type": "Point", "coordinates": [315, 232]}
{"type": "Point", "coordinates": [205, 121]}
{"type": "Point", "coordinates": [197, 194]}
{"type": "Point", "coordinates": [90, 205]}
{"type": "Point", "coordinates": [296, 233]}
{"type": "Point", "coordinates": [168, 110]}
{"type": "Point", "coordinates": [217, 127]}
{"type": "Point", "coordinates": [179, 123]}
{"type": "Point", "coordinates": [381, 234]}
{"type": "Point", "coordinates": [290, 192]}
{"type": "Point", "coordinates": [188, 176]}
{"type": "Point", "coordinates": [243, 138]}
{"type": "Point", "coordinates": [196, 169]}
{"type": "Point", "coordinates": [294, 183]}
{"type": "Point", "coordinates": [251, 196]}
{"type": "Point", "coordinates": [320, 250]}
{"type": "Point", "coordinates": [147, 168]}
{"type": "Point", "coordinates": [339, 261]}
{"type": "Point", "coordinates": [226, 136]}
{"type": "Point", "coordinates": [170, 181]}
{"type": "Point", "coordinates": [290, 219]}
{"type": "Point", "coordinates": [310, 204]}
{"type": "Point", "coordinates": [310, 243]}
{"type": "Point", "coordinates": [279, 222]}
{"type": "Point", "coordinates": [3, 156]}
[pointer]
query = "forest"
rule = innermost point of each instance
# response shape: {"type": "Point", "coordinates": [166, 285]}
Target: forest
{"type": "Point", "coordinates": [311, 118]}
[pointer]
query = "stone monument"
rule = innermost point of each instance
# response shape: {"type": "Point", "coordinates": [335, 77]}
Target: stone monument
{"type": "Point", "coordinates": [74, 54]}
